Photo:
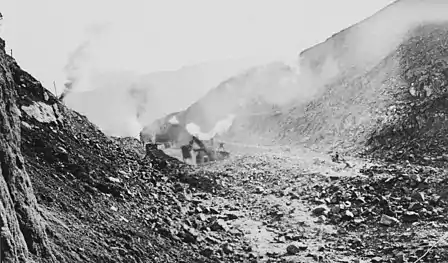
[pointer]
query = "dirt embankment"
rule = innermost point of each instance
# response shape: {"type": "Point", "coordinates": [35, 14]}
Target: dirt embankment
{"type": "Point", "coordinates": [71, 194]}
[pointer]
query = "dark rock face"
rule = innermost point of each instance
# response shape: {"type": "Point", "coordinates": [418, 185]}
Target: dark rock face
{"type": "Point", "coordinates": [23, 234]}
{"type": "Point", "coordinates": [69, 193]}
{"type": "Point", "coordinates": [415, 125]}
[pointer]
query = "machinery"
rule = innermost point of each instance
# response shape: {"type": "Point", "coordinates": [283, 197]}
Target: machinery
{"type": "Point", "coordinates": [163, 139]}
{"type": "Point", "coordinates": [206, 154]}
{"type": "Point", "coordinates": [168, 136]}
{"type": "Point", "coordinates": [174, 135]}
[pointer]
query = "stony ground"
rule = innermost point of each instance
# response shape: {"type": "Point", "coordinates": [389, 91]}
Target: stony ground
{"type": "Point", "coordinates": [298, 206]}
{"type": "Point", "coordinates": [106, 202]}
{"type": "Point", "coordinates": [103, 200]}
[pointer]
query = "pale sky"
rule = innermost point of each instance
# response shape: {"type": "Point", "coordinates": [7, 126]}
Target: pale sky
{"type": "Point", "coordinates": [149, 35]}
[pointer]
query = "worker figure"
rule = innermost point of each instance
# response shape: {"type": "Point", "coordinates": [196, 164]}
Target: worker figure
{"type": "Point", "coordinates": [186, 152]}
{"type": "Point", "coordinates": [221, 147]}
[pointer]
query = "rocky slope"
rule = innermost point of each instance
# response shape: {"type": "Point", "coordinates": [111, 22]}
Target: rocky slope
{"type": "Point", "coordinates": [23, 233]}
{"type": "Point", "coordinates": [395, 104]}
{"type": "Point", "coordinates": [71, 194]}
{"type": "Point", "coordinates": [367, 89]}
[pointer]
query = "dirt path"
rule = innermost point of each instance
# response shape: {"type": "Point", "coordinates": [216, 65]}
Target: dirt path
{"type": "Point", "coordinates": [270, 196]}
{"type": "Point", "coordinates": [266, 199]}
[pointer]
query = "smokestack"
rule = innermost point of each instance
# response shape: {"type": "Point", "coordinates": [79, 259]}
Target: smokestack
{"type": "Point", "coordinates": [55, 90]}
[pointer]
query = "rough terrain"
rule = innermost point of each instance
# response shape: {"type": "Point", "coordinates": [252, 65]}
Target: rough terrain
{"type": "Point", "coordinates": [365, 89]}
{"type": "Point", "coordinates": [72, 194]}
{"type": "Point", "coordinates": [352, 210]}
{"type": "Point", "coordinates": [69, 193]}
{"type": "Point", "coordinates": [103, 199]}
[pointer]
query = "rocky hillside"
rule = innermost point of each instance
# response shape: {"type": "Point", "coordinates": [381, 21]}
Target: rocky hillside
{"type": "Point", "coordinates": [23, 234]}
{"type": "Point", "coordinates": [252, 90]}
{"type": "Point", "coordinates": [391, 109]}
{"type": "Point", "coordinates": [362, 90]}
{"type": "Point", "coordinates": [71, 194]}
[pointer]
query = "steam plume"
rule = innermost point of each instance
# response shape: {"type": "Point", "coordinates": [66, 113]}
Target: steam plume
{"type": "Point", "coordinates": [220, 128]}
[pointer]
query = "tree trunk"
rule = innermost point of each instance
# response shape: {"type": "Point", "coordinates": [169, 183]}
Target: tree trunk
{"type": "Point", "coordinates": [22, 236]}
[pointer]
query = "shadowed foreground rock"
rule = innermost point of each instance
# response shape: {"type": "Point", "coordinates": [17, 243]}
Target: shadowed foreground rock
{"type": "Point", "coordinates": [23, 231]}
{"type": "Point", "coordinates": [69, 193]}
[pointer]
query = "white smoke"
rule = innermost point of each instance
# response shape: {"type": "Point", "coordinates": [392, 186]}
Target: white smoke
{"type": "Point", "coordinates": [223, 126]}
{"type": "Point", "coordinates": [195, 130]}
{"type": "Point", "coordinates": [112, 67]}
{"type": "Point", "coordinates": [220, 128]}
{"type": "Point", "coordinates": [173, 120]}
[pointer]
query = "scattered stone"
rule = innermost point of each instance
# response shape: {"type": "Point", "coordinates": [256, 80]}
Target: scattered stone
{"type": "Point", "coordinates": [389, 221]}
{"type": "Point", "coordinates": [40, 111]}
{"type": "Point", "coordinates": [124, 219]}
{"type": "Point", "coordinates": [321, 219]}
{"type": "Point", "coordinates": [292, 249]}
{"type": "Point", "coordinates": [319, 201]}
{"type": "Point", "coordinates": [227, 248]}
{"type": "Point", "coordinates": [320, 210]}
{"type": "Point", "coordinates": [410, 217]}
{"type": "Point", "coordinates": [415, 206]}
{"type": "Point", "coordinates": [348, 215]}
{"type": "Point", "coordinates": [418, 196]}
{"type": "Point", "coordinates": [377, 259]}
{"type": "Point", "coordinates": [335, 209]}
{"type": "Point", "coordinates": [218, 225]}
{"type": "Point", "coordinates": [358, 220]}
{"type": "Point", "coordinates": [302, 246]}
{"type": "Point", "coordinates": [113, 179]}
{"type": "Point", "coordinates": [259, 190]}
{"type": "Point", "coordinates": [280, 239]}
{"type": "Point", "coordinates": [400, 258]}
{"type": "Point", "coordinates": [207, 252]}
{"type": "Point", "coordinates": [212, 240]}
{"type": "Point", "coordinates": [231, 215]}
{"type": "Point", "coordinates": [335, 177]}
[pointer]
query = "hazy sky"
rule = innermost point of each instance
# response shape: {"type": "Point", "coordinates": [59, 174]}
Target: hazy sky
{"type": "Point", "coordinates": [148, 35]}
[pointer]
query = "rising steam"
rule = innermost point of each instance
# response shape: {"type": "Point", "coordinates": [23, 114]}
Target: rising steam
{"type": "Point", "coordinates": [108, 80]}
{"type": "Point", "coordinates": [173, 120]}
{"type": "Point", "coordinates": [109, 69]}
{"type": "Point", "coordinates": [220, 128]}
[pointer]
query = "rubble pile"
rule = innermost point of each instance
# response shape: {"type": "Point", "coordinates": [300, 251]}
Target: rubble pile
{"type": "Point", "coordinates": [413, 128]}
{"type": "Point", "coordinates": [409, 194]}
{"type": "Point", "coordinates": [386, 207]}
{"type": "Point", "coordinates": [107, 199]}
{"type": "Point", "coordinates": [130, 144]}
{"type": "Point", "coordinates": [103, 201]}
{"type": "Point", "coordinates": [386, 213]}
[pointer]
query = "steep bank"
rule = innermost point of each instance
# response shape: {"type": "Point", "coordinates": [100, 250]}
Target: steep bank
{"type": "Point", "coordinates": [353, 93]}
{"type": "Point", "coordinates": [69, 193]}
{"type": "Point", "coordinates": [23, 232]}
{"type": "Point", "coordinates": [391, 108]}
